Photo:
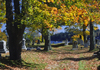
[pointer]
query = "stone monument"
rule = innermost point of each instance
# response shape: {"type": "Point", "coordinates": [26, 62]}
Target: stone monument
{"type": "Point", "coordinates": [81, 42]}
{"type": "Point", "coordinates": [23, 44]}
{"type": "Point", "coordinates": [71, 40]}
{"type": "Point", "coordinates": [75, 45]}
{"type": "Point", "coordinates": [3, 48]}
{"type": "Point", "coordinates": [98, 42]}
{"type": "Point", "coordinates": [86, 44]}
{"type": "Point", "coordinates": [66, 42]}
{"type": "Point", "coordinates": [89, 42]}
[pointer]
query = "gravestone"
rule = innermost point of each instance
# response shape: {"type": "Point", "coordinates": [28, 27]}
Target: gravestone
{"type": "Point", "coordinates": [33, 48]}
{"type": "Point", "coordinates": [98, 42]}
{"type": "Point", "coordinates": [71, 40]}
{"type": "Point", "coordinates": [38, 48]}
{"type": "Point", "coordinates": [81, 42]}
{"type": "Point", "coordinates": [89, 42]}
{"type": "Point", "coordinates": [3, 48]}
{"type": "Point", "coordinates": [86, 44]}
{"type": "Point", "coordinates": [23, 44]}
{"type": "Point", "coordinates": [75, 45]}
{"type": "Point", "coordinates": [66, 42]}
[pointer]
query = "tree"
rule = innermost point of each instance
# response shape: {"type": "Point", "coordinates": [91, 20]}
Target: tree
{"type": "Point", "coordinates": [80, 12]}
{"type": "Point", "coordinates": [44, 19]}
{"type": "Point", "coordinates": [32, 12]}
{"type": "Point", "coordinates": [15, 33]}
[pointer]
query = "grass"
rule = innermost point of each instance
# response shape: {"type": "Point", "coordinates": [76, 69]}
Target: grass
{"type": "Point", "coordinates": [8, 64]}
{"type": "Point", "coordinates": [81, 65]}
{"type": "Point", "coordinates": [59, 58]}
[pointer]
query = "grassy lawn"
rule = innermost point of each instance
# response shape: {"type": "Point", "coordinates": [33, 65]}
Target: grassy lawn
{"type": "Point", "coordinates": [59, 58]}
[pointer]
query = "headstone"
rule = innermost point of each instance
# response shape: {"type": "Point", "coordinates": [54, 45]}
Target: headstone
{"type": "Point", "coordinates": [38, 41]}
{"type": "Point", "coordinates": [23, 44]}
{"type": "Point", "coordinates": [71, 40]}
{"type": "Point", "coordinates": [3, 48]}
{"type": "Point", "coordinates": [86, 44]}
{"type": "Point", "coordinates": [81, 42]}
{"type": "Point", "coordinates": [38, 48]}
{"type": "Point", "coordinates": [33, 48]}
{"type": "Point", "coordinates": [75, 45]}
{"type": "Point", "coordinates": [98, 42]}
{"type": "Point", "coordinates": [89, 42]}
{"type": "Point", "coordinates": [66, 42]}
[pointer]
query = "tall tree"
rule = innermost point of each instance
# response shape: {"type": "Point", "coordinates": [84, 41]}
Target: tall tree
{"type": "Point", "coordinates": [15, 33]}
{"type": "Point", "coordinates": [92, 39]}
{"type": "Point", "coordinates": [80, 12]}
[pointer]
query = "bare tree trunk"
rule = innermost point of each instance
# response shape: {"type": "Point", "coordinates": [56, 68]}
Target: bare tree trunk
{"type": "Point", "coordinates": [92, 45]}
{"type": "Point", "coordinates": [15, 33]}
{"type": "Point", "coordinates": [47, 41]}
{"type": "Point", "coordinates": [84, 34]}
{"type": "Point", "coordinates": [42, 35]}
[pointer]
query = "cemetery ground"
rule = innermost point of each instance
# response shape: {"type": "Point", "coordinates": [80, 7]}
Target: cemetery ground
{"type": "Point", "coordinates": [59, 58]}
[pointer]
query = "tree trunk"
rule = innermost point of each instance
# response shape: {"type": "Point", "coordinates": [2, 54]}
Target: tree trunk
{"type": "Point", "coordinates": [15, 46]}
{"type": "Point", "coordinates": [15, 33]}
{"type": "Point", "coordinates": [92, 46]}
{"type": "Point", "coordinates": [42, 38]}
{"type": "Point", "coordinates": [47, 41]}
{"type": "Point", "coordinates": [42, 33]}
{"type": "Point", "coordinates": [84, 34]}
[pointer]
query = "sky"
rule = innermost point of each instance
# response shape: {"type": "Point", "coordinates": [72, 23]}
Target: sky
{"type": "Point", "coordinates": [62, 30]}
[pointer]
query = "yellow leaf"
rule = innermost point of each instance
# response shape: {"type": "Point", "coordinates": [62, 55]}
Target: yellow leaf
{"type": "Point", "coordinates": [86, 23]}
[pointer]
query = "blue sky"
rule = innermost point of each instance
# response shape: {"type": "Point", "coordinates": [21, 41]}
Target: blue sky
{"type": "Point", "coordinates": [62, 30]}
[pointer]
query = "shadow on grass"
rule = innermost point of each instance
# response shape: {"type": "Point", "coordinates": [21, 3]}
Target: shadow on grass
{"type": "Point", "coordinates": [6, 63]}
{"type": "Point", "coordinates": [60, 52]}
{"type": "Point", "coordinates": [77, 59]}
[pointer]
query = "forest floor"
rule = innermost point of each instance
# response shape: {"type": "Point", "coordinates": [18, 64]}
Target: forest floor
{"type": "Point", "coordinates": [60, 58]}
